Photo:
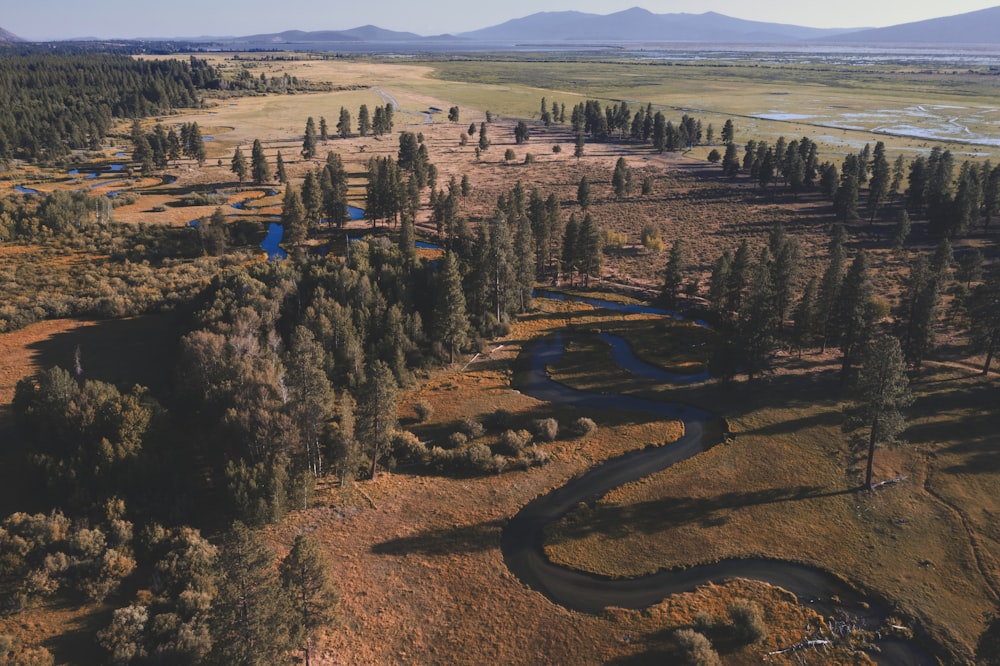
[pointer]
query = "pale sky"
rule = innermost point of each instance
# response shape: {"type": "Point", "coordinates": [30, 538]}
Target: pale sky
{"type": "Point", "coordinates": [63, 19]}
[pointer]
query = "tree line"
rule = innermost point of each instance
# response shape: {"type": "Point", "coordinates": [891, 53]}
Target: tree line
{"type": "Point", "coordinates": [57, 103]}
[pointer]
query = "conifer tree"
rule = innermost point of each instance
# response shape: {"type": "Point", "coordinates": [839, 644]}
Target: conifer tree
{"type": "Point", "coordinates": [239, 165]}
{"type": "Point", "coordinates": [882, 390]}
{"type": "Point", "coordinates": [309, 140]}
{"type": "Point", "coordinates": [589, 250]}
{"type": "Point", "coordinates": [324, 130]}
{"type": "Point", "coordinates": [758, 320]}
{"type": "Point", "coordinates": [583, 193]}
{"type": "Point", "coordinates": [674, 274]}
{"type": "Point", "coordinates": [377, 411]}
{"type": "Point", "coordinates": [308, 584]}
{"type": "Point", "coordinates": [293, 216]}
{"type": "Point", "coordinates": [450, 320]}
{"type": "Point", "coordinates": [855, 321]}
{"type": "Point", "coordinates": [282, 174]}
{"type": "Point", "coordinates": [984, 317]}
{"type": "Point", "coordinates": [260, 170]}
{"type": "Point", "coordinates": [364, 121]}
{"type": "Point", "coordinates": [344, 124]}
{"type": "Point", "coordinates": [251, 617]}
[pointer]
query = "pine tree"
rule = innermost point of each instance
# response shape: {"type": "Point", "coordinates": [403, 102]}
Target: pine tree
{"type": "Point", "coordinates": [728, 132]}
{"type": "Point", "coordinates": [344, 124]}
{"type": "Point", "coordinates": [589, 249]}
{"type": "Point", "coordinates": [251, 618]}
{"type": "Point", "coordinates": [324, 130]}
{"type": "Point", "coordinates": [674, 274]}
{"type": "Point", "coordinates": [309, 140]}
{"type": "Point", "coordinates": [804, 317]}
{"type": "Point", "coordinates": [579, 146]}
{"type": "Point", "coordinates": [878, 188]}
{"type": "Point", "coordinates": [739, 277]}
{"type": "Point", "coordinates": [377, 411]}
{"type": "Point", "coordinates": [451, 324]}
{"type": "Point", "coordinates": [308, 584]}
{"type": "Point", "coordinates": [484, 142]}
{"type": "Point", "coordinates": [829, 294]}
{"type": "Point", "coordinates": [259, 168]}
{"type": "Point", "coordinates": [239, 165]}
{"type": "Point", "coordinates": [346, 453]}
{"type": "Point", "coordinates": [881, 391]}
{"type": "Point", "coordinates": [787, 256]}
{"type": "Point", "coordinates": [855, 313]}
{"type": "Point", "coordinates": [569, 259]}
{"type": "Point", "coordinates": [719, 284]}
{"type": "Point", "coordinates": [310, 394]}
{"type": "Point", "coordinates": [364, 121]}
{"type": "Point", "coordinates": [918, 310]}
{"type": "Point", "coordinates": [282, 174]}
{"type": "Point", "coordinates": [293, 216]}
{"type": "Point", "coordinates": [583, 193]}
{"type": "Point", "coordinates": [621, 180]}
{"type": "Point", "coordinates": [312, 200]}
{"type": "Point", "coordinates": [984, 317]}
{"type": "Point", "coordinates": [758, 320]}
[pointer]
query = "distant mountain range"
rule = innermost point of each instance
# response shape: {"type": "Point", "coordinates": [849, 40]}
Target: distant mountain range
{"type": "Point", "coordinates": [8, 37]}
{"type": "Point", "coordinates": [631, 25]}
{"type": "Point", "coordinates": [641, 25]}
{"type": "Point", "coordinates": [979, 27]}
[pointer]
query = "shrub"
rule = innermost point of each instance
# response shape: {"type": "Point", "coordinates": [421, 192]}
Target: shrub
{"type": "Point", "coordinates": [533, 456]}
{"type": "Point", "coordinates": [406, 446]}
{"type": "Point", "coordinates": [557, 149]}
{"type": "Point", "coordinates": [472, 428]}
{"type": "Point", "coordinates": [458, 439]}
{"type": "Point", "coordinates": [584, 427]}
{"type": "Point", "coordinates": [747, 620]}
{"type": "Point", "coordinates": [515, 440]}
{"type": "Point", "coordinates": [529, 159]}
{"type": "Point", "coordinates": [695, 649]}
{"type": "Point", "coordinates": [546, 429]}
{"type": "Point", "coordinates": [651, 238]}
{"type": "Point", "coordinates": [508, 155]}
{"type": "Point", "coordinates": [703, 622]}
{"type": "Point", "coordinates": [424, 411]}
{"type": "Point", "coordinates": [480, 457]}
{"type": "Point", "coordinates": [715, 156]}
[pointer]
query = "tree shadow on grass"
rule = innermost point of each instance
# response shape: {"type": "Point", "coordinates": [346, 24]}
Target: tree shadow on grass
{"type": "Point", "coordinates": [445, 541]}
{"type": "Point", "coordinates": [620, 521]}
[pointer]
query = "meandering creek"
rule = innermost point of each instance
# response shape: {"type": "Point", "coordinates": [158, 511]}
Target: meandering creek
{"type": "Point", "coordinates": [522, 540]}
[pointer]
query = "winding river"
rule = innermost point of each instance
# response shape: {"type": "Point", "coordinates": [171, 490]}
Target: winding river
{"type": "Point", "coordinates": [522, 540]}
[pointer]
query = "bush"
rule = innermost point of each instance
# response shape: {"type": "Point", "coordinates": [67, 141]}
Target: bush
{"type": "Point", "coordinates": [509, 155]}
{"type": "Point", "coordinates": [515, 440]}
{"type": "Point", "coordinates": [457, 440]}
{"type": "Point", "coordinates": [546, 429]}
{"type": "Point", "coordinates": [480, 457]}
{"type": "Point", "coordinates": [584, 427]}
{"type": "Point", "coordinates": [424, 411]}
{"type": "Point", "coordinates": [529, 159]}
{"type": "Point", "coordinates": [472, 428]}
{"type": "Point", "coordinates": [715, 156]}
{"type": "Point", "coordinates": [557, 149]}
{"type": "Point", "coordinates": [533, 456]}
{"type": "Point", "coordinates": [651, 238]}
{"type": "Point", "coordinates": [406, 446]}
{"type": "Point", "coordinates": [695, 649]}
{"type": "Point", "coordinates": [747, 620]}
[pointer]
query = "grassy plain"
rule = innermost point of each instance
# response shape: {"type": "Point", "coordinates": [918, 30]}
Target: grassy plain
{"type": "Point", "coordinates": [785, 487]}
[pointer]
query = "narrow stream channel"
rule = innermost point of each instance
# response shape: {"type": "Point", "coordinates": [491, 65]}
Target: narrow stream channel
{"type": "Point", "coordinates": [522, 539]}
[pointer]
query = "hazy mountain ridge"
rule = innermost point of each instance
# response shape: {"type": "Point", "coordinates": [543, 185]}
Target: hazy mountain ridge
{"type": "Point", "coordinates": [978, 27]}
{"type": "Point", "coordinates": [637, 24]}
{"type": "Point", "coordinates": [8, 37]}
